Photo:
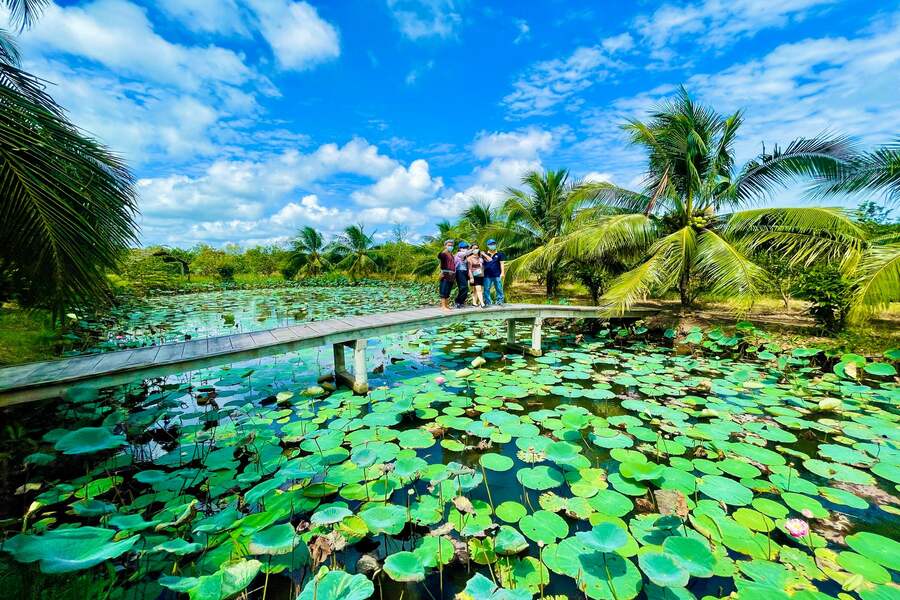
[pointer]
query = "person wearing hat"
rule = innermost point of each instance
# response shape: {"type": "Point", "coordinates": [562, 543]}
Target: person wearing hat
{"type": "Point", "coordinates": [462, 274]}
{"type": "Point", "coordinates": [448, 273]}
{"type": "Point", "coordinates": [494, 271]}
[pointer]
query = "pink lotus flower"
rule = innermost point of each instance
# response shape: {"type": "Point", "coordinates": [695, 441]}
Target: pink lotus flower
{"type": "Point", "coordinates": [807, 513]}
{"type": "Point", "coordinates": [440, 380]}
{"type": "Point", "coordinates": [798, 528]}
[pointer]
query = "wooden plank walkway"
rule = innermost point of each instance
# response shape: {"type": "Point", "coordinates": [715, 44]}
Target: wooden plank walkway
{"type": "Point", "coordinates": [49, 379]}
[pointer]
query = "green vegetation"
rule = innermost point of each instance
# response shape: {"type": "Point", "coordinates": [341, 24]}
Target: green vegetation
{"type": "Point", "coordinates": [618, 465]}
{"type": "Point", "coordinates": [68, 204]}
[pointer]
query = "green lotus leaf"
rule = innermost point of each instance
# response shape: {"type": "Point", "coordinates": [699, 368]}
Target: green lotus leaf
{"type": "Point", "coordinates": [388, 518]}
{"type": "Point", "coordinates": [496, 462]}
{"type": "Point", "coordinates": [511, 511]}
{"type": "Point", "coordinates": [641, 471]}
{"type": "Point", "coordinates": [563, 453]}
{"type": "Point", "coordinates": [877, 548]}
{"type": "Point", "coordinates": [65, 550]}
{"type": "Point", "coordinates": [328, 515]}
{"type": "Point", "coordinates": [839, 472]}
{"type": "Point", "coordinates": [604, 537]}
{"type": "Point", "coordinates": [404, 567]}
{"type": "Point", "coordinates": [522, 573]}
{"type": "Point", "coordinates": [692, 554]}
{"type": "Point", "coordinates": [612, 503]}
{"type": "Point", "coordinates": [663, 569]}
{"type": "Point", "coordinates": [480, 587]}
{"type": "Point", "coordinates": [860, 565]}
{"type": "Point", "coordinates": [178, 546]}
{"type": "Point", "coordinates": [544, 526]}
{"type": "Point", "coordinates": [540, 478]}
{"type": "Point", "coordinates": [337, 585]}
{"type": "Point", "coordinates": [725, 490]}
{"type": "Point", "coordinates": [227, 581]}
{"type": "Point", "coordinates": [880, 369]}
{"type": "Point", "coordinates": [89, 439]}
{"type": "Point", "coordinates": [277, 539]}
{"type": "Point", "coordinates": [435, 550]}
{"type": "Point", "coordinates": [509, 541]}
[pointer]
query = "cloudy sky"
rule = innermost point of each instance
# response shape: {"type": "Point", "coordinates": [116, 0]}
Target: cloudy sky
{"type": "Point", "coordinates": [244, 120]}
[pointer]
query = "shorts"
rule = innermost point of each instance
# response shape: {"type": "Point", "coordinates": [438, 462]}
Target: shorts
{"type": "Point", "coordinates": [446, 286]}
{"type": "Point", "coordinates": [478, 280]}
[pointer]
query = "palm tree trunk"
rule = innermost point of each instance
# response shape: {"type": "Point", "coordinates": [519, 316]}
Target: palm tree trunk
{"type": "Point", "coordinates": [550, 282]}
{"type": "Point", "coordinates": [683, 288]}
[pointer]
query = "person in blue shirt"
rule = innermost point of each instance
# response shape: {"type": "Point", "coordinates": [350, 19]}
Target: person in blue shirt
{"type": "Point", "coordinates": [494, 271]}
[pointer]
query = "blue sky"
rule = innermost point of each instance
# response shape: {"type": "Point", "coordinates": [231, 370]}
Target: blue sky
{"type": "Point", "coordinates": [246, 120]}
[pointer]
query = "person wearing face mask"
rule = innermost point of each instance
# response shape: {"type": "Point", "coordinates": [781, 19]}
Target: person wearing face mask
{"type": "Point", "coordinates": [476, 274]}
{"type": "Point", "coordinates": [494, 271]}
{"type": "Point", "coordinates": [448, 273]}
{"type": "Point", "coordinates": [462, 274]}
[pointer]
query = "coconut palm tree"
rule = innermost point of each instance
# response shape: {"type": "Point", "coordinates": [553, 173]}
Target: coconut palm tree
{"type": "Point", "coordinates": [307, 254]}
{"type": "Point", "coordinates": [877, 277]}
{"type": "Point", "coordinates": [534, 219]}
{"type": "Point", "coordinates": [689, 208]}
{"type": "Point", "coordinates": [67, 205]}
{"type": "Point", "coordinates": [356, 251]}
{"type": "Point", "coordinates": [476, 221]}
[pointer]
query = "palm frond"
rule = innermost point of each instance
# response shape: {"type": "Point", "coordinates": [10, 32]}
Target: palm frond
{"type": "Point", "coordinates": [877, 282]}
{"type": "Point", "coordinates": [608, 194]}
{"type": "Point", "coordinates": [876, 171]}
{"type": "Point", "coordinates": [726, 271]}
{"type": "Point", "coordinates": [68, 205]}
{"type": "Point", "coordinates": [820, 157]}
{"type": "Point", "coordinates": [23, 13]}
{"type": "Point", "coordinates": [669, 257]}
{"type": "Point", "coordinates": [804, 235]}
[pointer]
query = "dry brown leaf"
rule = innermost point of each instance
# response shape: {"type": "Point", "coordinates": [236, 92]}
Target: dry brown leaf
{"type": "Point", "coordinates": [671, 502]}
{"type": "Point", "coordinates": [464, 505]}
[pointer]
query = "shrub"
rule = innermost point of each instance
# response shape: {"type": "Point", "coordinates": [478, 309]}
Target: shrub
{"type": "Point", "coordinates": [829, 294]}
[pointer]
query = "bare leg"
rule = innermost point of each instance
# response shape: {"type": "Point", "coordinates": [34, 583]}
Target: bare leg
{"type": "Point", "coordinates": [479, 294]}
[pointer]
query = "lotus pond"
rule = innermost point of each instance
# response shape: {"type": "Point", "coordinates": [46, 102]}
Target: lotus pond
{"type": "Point", "coordinates": [622, 464]}
{"type": "Point", "coordinates": [160, 319]}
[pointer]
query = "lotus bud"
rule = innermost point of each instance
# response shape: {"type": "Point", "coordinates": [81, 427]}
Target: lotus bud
{"type": "Point", "coordinates": [440, 380]}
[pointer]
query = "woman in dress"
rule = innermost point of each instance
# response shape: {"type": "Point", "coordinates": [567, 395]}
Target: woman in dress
{"type": "Point", "coordinates": [476, 275]}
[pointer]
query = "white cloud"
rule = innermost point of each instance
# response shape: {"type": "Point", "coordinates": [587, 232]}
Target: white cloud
{"type": "Point", "coordinates": [524, 31]}
{"type": "Point", "coordinates": [834, 84]}
{"type": "Point", "coordinates": [118, 35]}
{"type": "Point", "coordinates": [307, 211]}
{"type": "Point", "coordinates": [402, 186]}
{"type": "Point", "coordinates": [618, 43]}
{"type": "Point", "coordinates": [420, 19]}
{"type": "Point", "coordinates": [525, 143]}
{"type": "Point", "coordinates": [140, 122]}
{"type": "Point", "coordinates": [299, 38]}
{"type": "Point", "coordinates": [207, 16]}
{"type": "Point", "coordinates": [717, 23]}
{"type": "Point", "coordinates": [547, 84]}
{"type": "Point", "coordinates": [413, 76]}
{"type": "Point", "coordinates": [597, 177]}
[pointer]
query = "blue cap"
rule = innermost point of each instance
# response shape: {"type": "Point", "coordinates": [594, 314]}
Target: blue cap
{"type": "Point", "coordinates": [491, 242]}
{"type": "Point", "coordinates": [464, 244]}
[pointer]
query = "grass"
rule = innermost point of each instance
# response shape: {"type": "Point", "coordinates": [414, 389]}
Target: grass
{"type": "Point", "coordinates": [26, 336]}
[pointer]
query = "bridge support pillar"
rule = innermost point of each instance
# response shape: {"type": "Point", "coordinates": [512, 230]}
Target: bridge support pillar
{"type": "Point", "coordinates": [535, 348]}
{"type": "Point", "coordinates": [358, 380]}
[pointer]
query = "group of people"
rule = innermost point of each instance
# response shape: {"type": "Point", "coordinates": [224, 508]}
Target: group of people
{"type": "Point", "coordinates": [470, 266]}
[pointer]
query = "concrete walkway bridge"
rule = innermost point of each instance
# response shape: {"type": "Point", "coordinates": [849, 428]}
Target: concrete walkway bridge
{"type": "Point", "coordinates": [50, 379]}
